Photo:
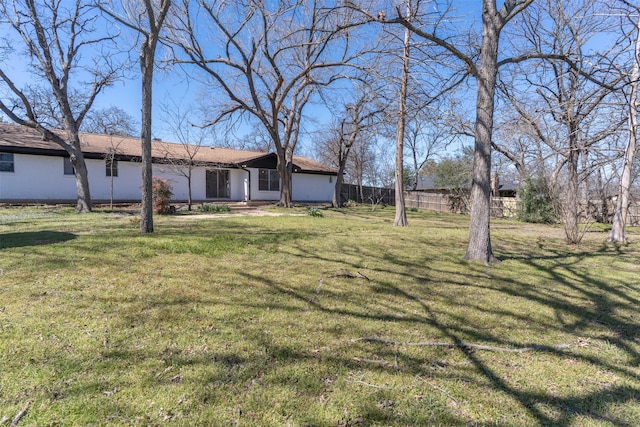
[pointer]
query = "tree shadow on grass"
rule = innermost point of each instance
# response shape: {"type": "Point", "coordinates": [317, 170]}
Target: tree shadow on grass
{"type": "Point", "coordinates": [573, 293]}
{"type": "Point", "coordinates": [33, 238]}
{"type": "Point", "coordinates": [402, 291]}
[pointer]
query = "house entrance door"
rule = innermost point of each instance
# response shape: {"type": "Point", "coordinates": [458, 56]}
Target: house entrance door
{"type": "Point", "coordinates": [218, 184]}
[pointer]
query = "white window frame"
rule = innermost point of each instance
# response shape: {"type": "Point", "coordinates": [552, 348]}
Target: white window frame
{"type": "Point", "coordinates": [268, 180]}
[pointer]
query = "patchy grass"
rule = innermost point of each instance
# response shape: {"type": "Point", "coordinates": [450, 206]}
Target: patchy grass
{"type": "Point", "coordinates": [265, 321]}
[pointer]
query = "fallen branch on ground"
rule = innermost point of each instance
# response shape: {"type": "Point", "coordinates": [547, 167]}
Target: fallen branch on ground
{"type": "Point", "coordinates": [534, 347]}
{"type": "Point", "coordinates": [315, 294]}
{"type": "Point", "coordinates": [21, 414]}
{"type": "Point", "coordinates": [351, 275]}
{"type": "Point", "coordinates": [370, 385]}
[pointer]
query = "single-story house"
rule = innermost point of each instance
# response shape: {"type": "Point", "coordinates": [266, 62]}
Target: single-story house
{"type": "Point", "coordinates": [34, 170]}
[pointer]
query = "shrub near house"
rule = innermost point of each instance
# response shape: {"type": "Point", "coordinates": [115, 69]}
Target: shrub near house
{"type": "Point", "coordinates": [161, 195]}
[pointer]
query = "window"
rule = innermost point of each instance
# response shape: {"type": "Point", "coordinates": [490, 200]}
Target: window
{"type": "Point", "coordinates": [217, 184]}
{"type": "Point", "coordinates": [112, 167]}
{"type": "Point", "coordinates": [68, 167]}
{"type": "Point", "coordinates": [268, 180]}
{"type": "Point", "coordinates": [6, 162]}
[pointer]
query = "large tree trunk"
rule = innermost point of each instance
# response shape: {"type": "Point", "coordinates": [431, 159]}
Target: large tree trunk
{"type": "Point", "coordinates": [146, 68]}
{"type": "Point", "coordinates": [76, 156]}
{"type": "Point", "coordinates": [571, 205]}
{"type": "Point", "coordinates": [571, 209]}
{"type": "Point", "coordinates": [83, 204]}
{"type": "Point", "coordinates": [479, 246]}
{"type": "Point", "coordinates": [285, 170]}
{"type": "Point", "coordinates": [618, 229]}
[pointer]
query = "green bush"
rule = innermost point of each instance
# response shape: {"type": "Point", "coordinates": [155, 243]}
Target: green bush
{"type": "Point", "coordinates": [215, 208]}
{"type": "Point", "coordinates": [315, 212]}
{"type": "Point", "coordinates": [537, 204]}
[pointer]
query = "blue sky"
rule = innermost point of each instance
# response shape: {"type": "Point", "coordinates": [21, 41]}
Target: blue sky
{"type": "Point", "coordinates": [174, 86]}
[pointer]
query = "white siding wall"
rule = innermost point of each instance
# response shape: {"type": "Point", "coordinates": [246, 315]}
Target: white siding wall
{"type": "Point", "coordinates": [42, 178]}
{"type": "Point", "coordinates": [178, 181]}
{"type": "Point", "coordinates": [36, 177]}
{"type": "Point", "coordinates": [312, 187]}
{"type": "Point", "coordinates": [256, 194]}
{"type": "Point", "coordinates": [126, 186]}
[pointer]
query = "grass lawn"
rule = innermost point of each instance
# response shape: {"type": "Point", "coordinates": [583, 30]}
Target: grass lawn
{"type": "Point", "coordinates": [340, 320]}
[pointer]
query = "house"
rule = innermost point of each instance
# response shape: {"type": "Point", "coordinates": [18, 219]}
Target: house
{"type": "Point", "coordinates": [33, 170]}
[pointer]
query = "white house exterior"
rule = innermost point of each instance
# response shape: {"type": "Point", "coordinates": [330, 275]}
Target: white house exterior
{"type": "Point", "coordinates": [33, 170]}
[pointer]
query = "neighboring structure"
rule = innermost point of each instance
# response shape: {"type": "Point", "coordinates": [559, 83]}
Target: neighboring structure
{"type": "Point", "coordinates": [33, 170]}
{"type": "Point", "coordinates": [426, 183]}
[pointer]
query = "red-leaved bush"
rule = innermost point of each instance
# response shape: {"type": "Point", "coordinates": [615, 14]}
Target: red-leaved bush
{"type": "Point", "coordinates": [161, 194]}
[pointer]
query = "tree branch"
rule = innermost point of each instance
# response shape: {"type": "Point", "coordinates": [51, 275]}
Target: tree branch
{"type": "Point", "coordinates": [533, 347]}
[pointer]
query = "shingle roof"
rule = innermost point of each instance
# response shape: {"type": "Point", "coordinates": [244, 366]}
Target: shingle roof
{"type": "Point", "coordinates": [95, 145]}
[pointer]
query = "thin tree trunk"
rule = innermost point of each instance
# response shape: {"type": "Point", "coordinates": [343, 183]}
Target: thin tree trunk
{"type": "Point", "coordinates": [416, 173]}
{"type": "Point", "coordinates": [584, 206]}
{"type": "Point", "coordinates": [401, 214]}
{"type": "Point", "coordinates": [337, 191]}
{"type": "Point", "coordinates": [571, 208]}
{"type": "Point", "coordinates": [603, 209]}
{"type": "Point", "coordinates": [618, 229]}
{"type": "Point", "coordinates": [146, 68]}
{"type": "Point", "coordinates": [189, 202]}
{"type": "Point", "coordinates": [111, 184]}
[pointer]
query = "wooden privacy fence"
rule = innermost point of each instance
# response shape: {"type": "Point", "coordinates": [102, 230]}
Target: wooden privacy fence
{"type": "Point", "coordinates": [633, 217]}
{"type": "Point", "coordinates": [501, 207]}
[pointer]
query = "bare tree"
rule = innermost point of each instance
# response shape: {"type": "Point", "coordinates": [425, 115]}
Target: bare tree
{"type": "Point", "coordinates": [427, 136]}
{"type": "Point", "coordinates": [256, 139]}
{"type": "Point", "coordinates": [400, 219]}
{"type": "Point", "coordinates": [483, 65]}
{"type": "Point", "coordinates": [364, 166]}
{"type": "Point", "coordinates": [68, 64]}
{"type": "Point", "coordinates": [569, 113]}
{"type": "Point", "coordinates": [111, 159]}
{"type": "Point", "coordinates": [357, 123]}
{"type": "Point", "coordinates": [272, 58]}
{"type": "Point", "coordinates": [146, 18]}
{"type": "Point", "coordinates": [191, 139]}
{"type": "Point", "coordinates": [110, 121]}
{"type": "Point", "coordinates": [116, 123]}
{"type": "Point", "coordinates": [518, 137]}
{"type": "Point", "coordinates": [618, 229]}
